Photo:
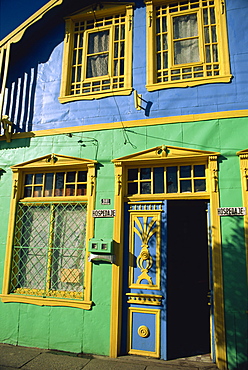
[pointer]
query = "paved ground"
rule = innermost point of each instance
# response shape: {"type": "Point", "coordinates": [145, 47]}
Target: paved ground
{"type": "Point", "coordinates": [15, 357]}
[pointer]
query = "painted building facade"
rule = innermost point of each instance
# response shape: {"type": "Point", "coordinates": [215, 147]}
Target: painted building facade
{"type": "Point", "coordinates": [123, 131]}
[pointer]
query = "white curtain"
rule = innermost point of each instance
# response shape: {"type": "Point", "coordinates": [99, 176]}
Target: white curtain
{"type": "Point", "coordinates": [98, 51]}
{"type": "Point", "coordinates": [186, 45]}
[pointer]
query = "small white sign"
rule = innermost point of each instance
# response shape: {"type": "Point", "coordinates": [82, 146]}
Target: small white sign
{"type": "Point", "coordinates": [104, 213]}
{"type": "Point", "coordinates": [231, 211]}
{"type": "Point", "coordinates": [105, 201]}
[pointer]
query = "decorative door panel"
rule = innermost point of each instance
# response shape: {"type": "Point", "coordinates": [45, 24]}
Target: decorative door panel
{"type": "Point", "coordinates": [145, 297]}
{"type": "Point", "coordinates": [145, 331]}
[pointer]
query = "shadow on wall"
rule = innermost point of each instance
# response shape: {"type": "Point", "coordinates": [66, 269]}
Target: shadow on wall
{"type": "Point", "coordinates": [235, 292]}
{"type": "Point", "coordinates": [25, 58]}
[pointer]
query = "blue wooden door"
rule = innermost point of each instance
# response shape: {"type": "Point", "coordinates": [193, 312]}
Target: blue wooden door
{"type": "Point", "coordinates": [145, 275]}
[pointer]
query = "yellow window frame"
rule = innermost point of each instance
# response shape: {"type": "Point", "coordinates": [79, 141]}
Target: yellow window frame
{"type": "Point", "coordinates": [52, 163]}
{"type": "Point", "coordinates": [188, 74]}
{"type": "Point", "coordinates": [97, 87]}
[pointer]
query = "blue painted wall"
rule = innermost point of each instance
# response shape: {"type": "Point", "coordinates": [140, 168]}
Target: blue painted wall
{"type": "Point", "coordinates": [35, 75]}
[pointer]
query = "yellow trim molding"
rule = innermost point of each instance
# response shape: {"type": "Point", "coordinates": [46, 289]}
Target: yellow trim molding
{"type": "Point", "coordinates": [135, 123]}
{"type": "Point", "coordinates": [17, 34]}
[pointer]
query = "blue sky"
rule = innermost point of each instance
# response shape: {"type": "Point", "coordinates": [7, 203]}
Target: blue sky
{"type": "Point", "coordinates": [15, 12]}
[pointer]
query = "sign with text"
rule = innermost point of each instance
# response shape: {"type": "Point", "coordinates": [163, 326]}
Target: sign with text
{"type": "Point", "coordinates": [105, 201]}
{"type": "Point", "coordinates": [231, 211]}
{"type": "Point", "coordinates": [104, 213]}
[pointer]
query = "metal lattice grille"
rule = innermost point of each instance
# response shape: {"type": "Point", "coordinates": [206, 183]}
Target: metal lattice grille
{"type": "Point", "coordinates": [49, 250]}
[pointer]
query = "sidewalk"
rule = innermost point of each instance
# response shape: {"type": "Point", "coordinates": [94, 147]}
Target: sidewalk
{"type": "Point", "coordinates": [15, 357]}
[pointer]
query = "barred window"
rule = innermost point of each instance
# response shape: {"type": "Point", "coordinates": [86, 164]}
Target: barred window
{"type": "Point", "coordinates": [190, 44]}
{"type": "Point", "coordinates": [97, 54]}
{"type": "Point", "coordinates": [49, 227]}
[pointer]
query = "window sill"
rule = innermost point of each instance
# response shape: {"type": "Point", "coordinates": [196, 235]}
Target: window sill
{"type": "Point", "coordinates": [189, 83]}
{"type": "Point", "coordinates": [39, 301]}
{"type": "Point", "coordinates": [95, 95]}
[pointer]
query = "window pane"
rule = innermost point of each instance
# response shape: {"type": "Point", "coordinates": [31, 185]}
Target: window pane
{"type": "Point", "coordinates": [165, 65]}
{"type": "Point", "coordinates": [69, 248]}
{"type": "Point", "coordinates": [158, 180]}
{"type": "Point", "coordinates": [164, 25]}
{"type": "Point", "coordinates": [70, 176]}
{"type": "Point", "coordinates": [81, 189]}
{"type": "Point", "coordinates": [32, 237]}
{"type": "Point", "coordinates": [132, 174]}
{"type": "Point", "coordinates": [199, 185]}
{"type": "Point", "coordinates": [97, 66]}
{"type": "Point", "coordinates": [133, 188]}
{"type": "Point", "coordinates": [70, 190]}
{"type": "Point", "coordinates": [116, 33]}
{"type": "Point", "coordinates": [97, 62]}
{"type": "Point", "coordinates": [199, 170]}
{"type": "Point", "coordinates": [37, 191]}
{"type": "Point", "coordinates": [59, 184]}
{"type": "Point", "coordinates": [28, 179]}
{"type": "Point", "coordinates": [98, 42]}
{"type": "Point", "coordinates": [165, 44]}
{"type": "Point", "coordinates": [145, 188]}
{"type": "Point", "coordinates": [185, 171]}
{"type": "Point", "coordinates": [214, 35]}
{"type": "Point", "coordinates": [186, 51]}
{"type": "Point", "coordinates": [185, 186]}
{"type": "Point", "coordinates": [158, 43]}
{"type": "Point", "coordinates": [206, 33]}
{"type": "Point", "coordinates": [82, 176]}
{"type": "Point", "coordinates": [145, 173]}
{"type": "Point", "coordinates": [38, 178]}
{"type": "Point", "coordinates": [48, 184]}
{"type": "Point", "coordinates": [185, 26]}
{"type": "Point", "coordinates": [28, 191]}
{"type": "Point", "coordinates": [171, 179]}
{"type": "Point", "coordinates": [212, 15]}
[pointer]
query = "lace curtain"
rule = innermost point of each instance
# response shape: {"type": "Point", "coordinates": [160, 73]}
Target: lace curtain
{"type": "Point", "coordinates": [98, 54]}
{"type": "Point", "coordinates": [186, 44]}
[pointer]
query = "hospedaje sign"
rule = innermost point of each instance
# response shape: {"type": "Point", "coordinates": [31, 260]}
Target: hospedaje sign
{"type": "Point", "coordinates": [231, 211]}
{"type": "Point", "coordinates": [101, 213]}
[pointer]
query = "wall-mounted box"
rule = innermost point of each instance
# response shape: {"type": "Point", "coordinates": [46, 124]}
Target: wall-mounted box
{"type": "Point", "coordinates": [101, 246]}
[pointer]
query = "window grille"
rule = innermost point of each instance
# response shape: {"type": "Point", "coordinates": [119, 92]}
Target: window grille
{"type": "Point", "coordinates": [49, 249]}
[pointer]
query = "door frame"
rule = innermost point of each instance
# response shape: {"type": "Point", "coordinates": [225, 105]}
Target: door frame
{"type": "Point", "coordinates": [159, 156]}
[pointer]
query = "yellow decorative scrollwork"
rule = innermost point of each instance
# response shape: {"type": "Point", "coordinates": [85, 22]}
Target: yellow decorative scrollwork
{"type": "Point", "coordinates": [144, 260]}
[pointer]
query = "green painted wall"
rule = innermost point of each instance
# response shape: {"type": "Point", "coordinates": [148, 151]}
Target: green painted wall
{"type": "Point", "coordinates": [78, 330]}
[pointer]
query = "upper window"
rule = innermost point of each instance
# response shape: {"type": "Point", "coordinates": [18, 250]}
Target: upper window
{"type": "Point", "coordinates": [187, 43]}
{"type": "Point", "coordinates": [97, 54]}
